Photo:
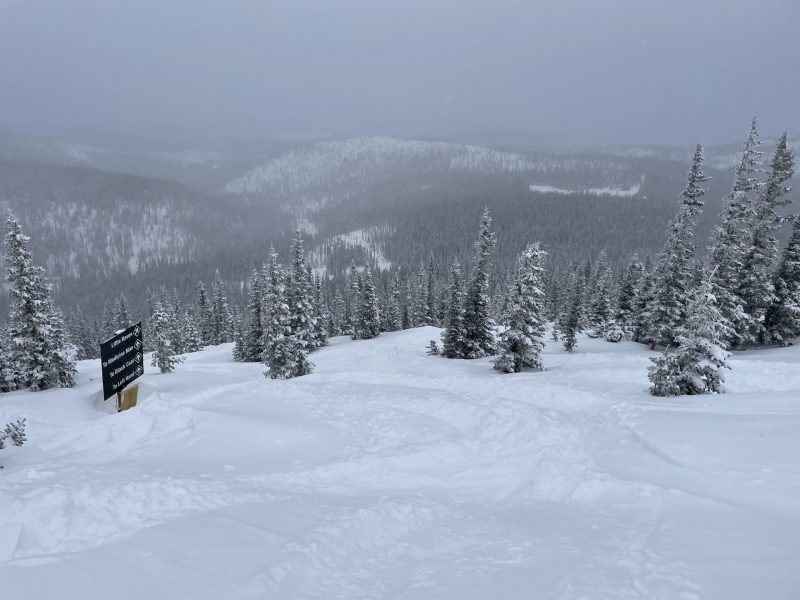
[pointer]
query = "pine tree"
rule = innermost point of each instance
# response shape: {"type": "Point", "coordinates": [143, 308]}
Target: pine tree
{"type": "Point", "coordinates": [300, 295]}
{"type": "Point", "coordinates": [121, 313]}
{"type": "Point", "coordinates": [673, 273]}
{"type": "Point", "coordinates": [338, 313]}
{"type": "Point", "coordinates": [39, 355]}
{"type": "Point", "coordinates": [320, 331]}
{"type": "Point", "coordinates": [478, 331]}
{"type": "Point", "coordinates": [598, 311]}
{"type": "Point", "coordinates": [164, 356]}
{"type": "Point", "coordinates": [394, 316]}
{"type": "Point", "coordinates": [253, 333]}
{"type": "Point", "coordinates": [645, 294]}
{"type": "Point", "coordinates": [221, 317]}
{"type": "Point", "coordinates": [369, 318]}
{"type": "Point", "coordinates": [193, 341]}
{"type": "Point", "coordinates": [204, 319]}
{"type": "Point", "coordinates": [732, 237]}
{"type": "Point", "coordinates": [782, 320]}
{"type": "Point", "coordinates": [756, 288]}
{"type": "Point", "coordinates": [109, 321]}
{"type": "Point", "coordinates": [430, 291]}
{"type": "Point", "coordinates": [698, 365]}
{"type": "Point", "coordinates": [453, 334]}
{"type": "Point", "coordinates": [284, 354]}
{"type": "Point", "coordinates": [433, 349]}
{"type": "Point", "coordinates": [570, 322]}
{"type": "Point", "coordinates": [524, 317]}
{"type": "Point", "coordinates": [626, 297]}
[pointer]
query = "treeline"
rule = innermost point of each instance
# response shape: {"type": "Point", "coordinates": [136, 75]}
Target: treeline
{"type": "Point", "coordinates": [695, 305]}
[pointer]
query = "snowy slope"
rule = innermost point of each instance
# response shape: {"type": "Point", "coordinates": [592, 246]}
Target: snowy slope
{"type": "Point", "coordinates": [390, 474]}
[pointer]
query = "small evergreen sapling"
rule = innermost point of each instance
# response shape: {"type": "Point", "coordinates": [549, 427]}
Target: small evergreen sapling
{"type": "Point", "coordinates": [14, 431]}
{"type": "Point", "coordinates": [433, 348]}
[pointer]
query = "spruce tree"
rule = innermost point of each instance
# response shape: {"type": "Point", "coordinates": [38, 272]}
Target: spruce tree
{"type": "Point", "coordinates": [782, 320]}
{"type": "Point", "coordinates": [284, 353]}
{"type": "Point", "coordinates": [430, 290]}
{"type": "Point", "coordinates": [122, 314]}
{"type": "Point", "coordinates": [699, 363]}
{"type": "Point", "coordinates": [598, 311]}
{"type": "Point", "coordinates": [524, 316]}
{"type": "Point", "coordinates": [756, 287]}
{"type": "Point", "coordinates": [253, 333]}
{"type": "Point", "coordinates": [394, 317]}
{"type": "Point", "coordinates": [320, 331]}
{"type": "Point", "coordinates": [193, 341]}
{"type": "Point", "coordinates": [478, 332]}
{"type": "Point", "coordinates": [453, 334]}
{"type": "Point", "coordinates": [164, 356]}
{"type": "Point", "coordinates": [731, 239]}
{"type": "Point", "coordinates": [369, 318]}
{"type": "Point", "coordinates": [39, 355]}
{"type": "Point", "coordinates": [570, 322]}
{"type": "Point", "coordinates": [673, 273]}
{"type": "Point", "coordinates": [221, 316]}
{"type": "Point", "coordinates": [626, 297]}
{"type": "Point", "coordinates": [300, 295]}
{"type": "Point", "coordinates": [203, 312]}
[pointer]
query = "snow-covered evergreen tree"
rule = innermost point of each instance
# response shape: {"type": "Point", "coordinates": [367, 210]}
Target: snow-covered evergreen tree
{"type": "Point", "coordinates": [478, 332]}
{"type": "Point", "coordinates": [699, 363]}
{"type": "Point", "coordinates": [121, 313]}
{"type": "Point", "coordinates": [598, 311]}
{"type": "Point", "coordinates": [782, 320]}
{"type": "Point", "coordinates": [524, 316]}
{"type": "Point", "coordinates": [164, 356]}
{"type": "Point", "coordinates": [39, 354]}
{"type": "Point", "coordinates": [570, 321]}
{"type": "Point", "coordinates": [193, 341]}
{"type": "Point", "coordinates": [626, 296]}
{"type": "Point", "coordinates": [731, 239]}
{"type": "Point", "coordinates": [453, 334]}
{"type": "Point", "coordinates": [320, 331]}
{"type": "Point", "coordinates": [284, 354]}
{"type": "Point", "coordinates": [203, 312]}
{"type": "Point", "coordinates": [430, 291]}
{"type": "Point", "coordinates": [300, 295]}
{"type": "Point", "coordinates": [369, 318]}
{"type": "Point", "coordinates": [394, 316]}
{"type": "Point", "coordinates": [673, 274]}
{"type": "Point", "coordinates": [221, 316]}
{"type": "Point", "coordinates": [252, 334]}
{"type": "Point", "coordinates": [756, 287]}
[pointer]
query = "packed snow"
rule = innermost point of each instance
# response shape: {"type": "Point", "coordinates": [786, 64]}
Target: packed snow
{"type": "Point", "coordinates": [391, 474]}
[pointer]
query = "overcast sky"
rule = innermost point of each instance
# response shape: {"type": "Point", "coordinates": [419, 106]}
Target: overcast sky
{"type": "Point", "coordinates": [598, 71]}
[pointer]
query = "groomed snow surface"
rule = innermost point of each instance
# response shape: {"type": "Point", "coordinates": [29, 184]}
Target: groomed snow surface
{"type": "Point", "coordinates": [391, 474]}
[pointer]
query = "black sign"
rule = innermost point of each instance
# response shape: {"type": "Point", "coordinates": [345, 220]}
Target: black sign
{"type": "Point", "coordinates": [122, 360]}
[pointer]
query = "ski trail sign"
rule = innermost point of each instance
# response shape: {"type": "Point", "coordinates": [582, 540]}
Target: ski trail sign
{"type": "Point", "coordinates": [122, 360]}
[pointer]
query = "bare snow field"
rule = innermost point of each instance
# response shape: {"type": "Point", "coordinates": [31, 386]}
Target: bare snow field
{"type": "Point", "coordinates": [391, 474]}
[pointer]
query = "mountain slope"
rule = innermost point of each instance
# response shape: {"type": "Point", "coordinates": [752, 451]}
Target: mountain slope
{"type": "Point", "coordinates": [390, 474]}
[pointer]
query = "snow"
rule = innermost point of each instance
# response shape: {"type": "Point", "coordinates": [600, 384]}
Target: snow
{"type": "Point", "coordinates": [391, 474]}
{"type": "Point", "coordinates": [368, 239]}
{"type": "Point", "coordinates": [604, 191]}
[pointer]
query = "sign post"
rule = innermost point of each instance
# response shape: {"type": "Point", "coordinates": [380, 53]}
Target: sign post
{"type": "Point", "coordinates": [122, 361]}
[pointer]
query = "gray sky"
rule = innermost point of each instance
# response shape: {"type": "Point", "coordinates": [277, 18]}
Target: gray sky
{"type": "Point", "coordinates": [605, 71]}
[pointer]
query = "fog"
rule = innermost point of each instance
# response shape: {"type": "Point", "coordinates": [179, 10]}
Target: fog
{"type": "Point", "coordinates": [594, 71]}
